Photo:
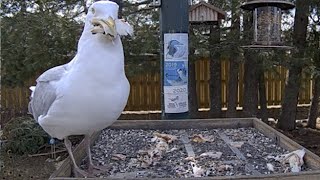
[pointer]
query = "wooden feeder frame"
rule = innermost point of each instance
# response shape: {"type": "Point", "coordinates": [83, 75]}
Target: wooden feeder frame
{"type": "Point", "coordinates": [311, 159]}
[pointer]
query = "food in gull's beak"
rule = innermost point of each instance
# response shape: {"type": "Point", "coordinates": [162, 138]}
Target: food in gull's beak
{"type": "Point", "coordinates": [104, 26]}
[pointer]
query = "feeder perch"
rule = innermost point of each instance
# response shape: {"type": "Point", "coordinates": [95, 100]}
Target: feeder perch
{"type": "Point", "coordinates": [267, 22]}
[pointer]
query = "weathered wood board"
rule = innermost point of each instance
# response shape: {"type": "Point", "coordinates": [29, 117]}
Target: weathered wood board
{"type": "Point", "coordinates": [312, 160]}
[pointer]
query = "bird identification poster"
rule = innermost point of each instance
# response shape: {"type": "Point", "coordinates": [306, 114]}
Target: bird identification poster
{"type": "Point", "coordinates": [176, 72]}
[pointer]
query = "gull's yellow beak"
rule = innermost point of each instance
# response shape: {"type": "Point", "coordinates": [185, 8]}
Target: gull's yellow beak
{"type": "Point", "coordinates": [104, 26]}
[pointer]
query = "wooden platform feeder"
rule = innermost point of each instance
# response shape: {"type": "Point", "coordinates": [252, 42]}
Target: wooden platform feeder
{"type": "Point", "coordinates": [311, 160]}
{"type": "Point", "coordinates": [267, 22]}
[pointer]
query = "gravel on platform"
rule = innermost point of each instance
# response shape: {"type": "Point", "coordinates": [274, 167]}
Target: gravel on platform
{"type": "Point", "coordinates": [186, 153]}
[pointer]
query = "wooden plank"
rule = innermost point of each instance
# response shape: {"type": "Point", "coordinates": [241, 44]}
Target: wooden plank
{"type": "Point", "coordinates": [283, 141]}
{"type": "Point", "coordinates": [224, 82]}
{"type": "Point", "coordinates": [276, 87]}
{"type": "Point", "coordinates": [268, 92]}
{"type": "Point", "coordinates": [79, 153]}
{"type": "Point", "coordinates": [5, 97]}
{"type": "Point", "coordinates": [308, 89]}
{"type": "Point", "coordinates": [11, 99]}
{"type": "Point", "coordinates": [187, 145]}
{"type": "Point", "coordinates": [296, 176]}
{"type": "Point", "coordinates": [183, 124]}
{"type": "Point", "coordinates": [282, 79]}
{"type": "Point", "coordinates": [240, 85]}
{"type": "Point", "coordinates": [249, 167]}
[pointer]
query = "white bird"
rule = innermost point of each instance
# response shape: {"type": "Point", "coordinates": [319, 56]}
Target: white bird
{"type": "Point", "coordinates": [176, 49]}
{"type": "Point", "coordinates": [181, 79]}
{"type": "Point", "coordinates": [89, 93]}
{"type": "Point", "coordinates": [182, 72]}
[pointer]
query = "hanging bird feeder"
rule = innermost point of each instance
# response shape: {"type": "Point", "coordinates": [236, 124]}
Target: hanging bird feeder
{"type": "Point", "coordinates": [267, 22]}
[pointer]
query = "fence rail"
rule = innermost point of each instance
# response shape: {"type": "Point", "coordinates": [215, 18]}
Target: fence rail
{"type": "Point", "coordinates": [145, 90]}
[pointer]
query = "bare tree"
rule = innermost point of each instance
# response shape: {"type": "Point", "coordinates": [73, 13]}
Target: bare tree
{"type": "Point", "coordinates": [250, 96]}
{"type": "Point", "coordinates": [290, 101]}
{"type": "Point", "coordinates": [234, 61]}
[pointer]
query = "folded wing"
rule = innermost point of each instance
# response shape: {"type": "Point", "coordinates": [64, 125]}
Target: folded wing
{"type": "Point", "coordinates": [44, 93]}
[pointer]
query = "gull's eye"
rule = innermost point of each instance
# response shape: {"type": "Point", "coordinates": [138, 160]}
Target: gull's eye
{"type": "Point", "coordinates": [93, 10]}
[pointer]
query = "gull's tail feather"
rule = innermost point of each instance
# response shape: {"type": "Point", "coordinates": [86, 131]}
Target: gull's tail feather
{"type": "Point", "coordinates": [32, 88]}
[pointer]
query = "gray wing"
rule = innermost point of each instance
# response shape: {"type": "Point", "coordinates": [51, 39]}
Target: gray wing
{"type": "Point", "coordinates": [45, 93]}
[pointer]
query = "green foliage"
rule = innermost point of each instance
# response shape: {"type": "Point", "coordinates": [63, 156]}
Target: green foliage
{"type": "Point", "coordinates": [37, 35]}
{"type": "Point", "coordinates": [37, 44]}
{"type": "Point", "coordinates": [23, 135]}
{"type": "Point", "coordinates": [35, 40]}
{"type": "Point", "coordinates": [143, 48]}
{"type": "Point", "coordinates": [313, 50]}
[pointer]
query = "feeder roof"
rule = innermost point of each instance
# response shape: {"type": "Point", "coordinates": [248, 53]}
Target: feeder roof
{"type": "Point", "coordinates": [252, 4]}
{"type": "Point", "coordinates": [204, 12]}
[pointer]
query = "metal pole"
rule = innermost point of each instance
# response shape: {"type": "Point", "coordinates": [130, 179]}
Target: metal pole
{"type": "Point", "coordinates": [174, 23]}
{"type": "Point", "coordinates": [120, 3]}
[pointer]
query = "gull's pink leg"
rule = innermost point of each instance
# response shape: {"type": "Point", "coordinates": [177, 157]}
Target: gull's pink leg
{"type": "Point", "coordinates": [91, 166]}
{"type": "Point", "coordinates": [76, 168]}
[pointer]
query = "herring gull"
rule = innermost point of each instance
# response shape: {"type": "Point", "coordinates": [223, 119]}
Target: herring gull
{"type": "Point", "coordinates": [89, 93]}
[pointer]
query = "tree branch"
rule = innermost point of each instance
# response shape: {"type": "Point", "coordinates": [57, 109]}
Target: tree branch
{"type": "Point", "coordinates": [77, 14]}
{"type": "Point", "coordinates": [127, 4]}
{"type": "Point", "coordinates": [141, 10]}
{"type": "Point", "coordinates": [316, 22]}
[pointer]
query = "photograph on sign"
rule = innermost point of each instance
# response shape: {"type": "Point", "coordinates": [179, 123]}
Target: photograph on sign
{"type": "Point", "coordinates": [176, 46]}
{"type": "Point", "coordinates": [176, 102]}
{"type": "Point", "coordinates": [175, 73]}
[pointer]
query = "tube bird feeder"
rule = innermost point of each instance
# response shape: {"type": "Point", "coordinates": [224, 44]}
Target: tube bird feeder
{"type": "Point", "coordinates": [267, 15]}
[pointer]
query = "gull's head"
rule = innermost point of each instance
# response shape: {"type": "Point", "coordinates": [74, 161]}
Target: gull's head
{"type": "Point", "coordinates": [101, 18]}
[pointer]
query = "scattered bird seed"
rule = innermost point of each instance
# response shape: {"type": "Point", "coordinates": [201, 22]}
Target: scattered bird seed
{"type": "Point", "coordinates": [163, 154]}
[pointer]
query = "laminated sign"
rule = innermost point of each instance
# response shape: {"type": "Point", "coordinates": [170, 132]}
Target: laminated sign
{"type": "Point", "coordinates": [176, 72]}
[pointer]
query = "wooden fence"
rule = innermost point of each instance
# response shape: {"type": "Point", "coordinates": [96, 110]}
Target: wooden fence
{"type": "Point", "coordinates": [145, 90]}
{"type": "Point", "coordinates": [274, 82]}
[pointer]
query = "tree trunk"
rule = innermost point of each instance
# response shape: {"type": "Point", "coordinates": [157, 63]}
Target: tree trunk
{"type": "Point", "coordinates": [314, 108]}
{"type": "Point", "coordinates": [193, 98]}
{"type": "Point", "coordinates": [192, 85]}
{"type": "Point", "coordinates": [263, 97]}
{"type": "Point", "coordinates": [215, 74]}
{"type": "Point", "coordinates": [250, 98]}
{"type": "Point", "coordinates": [234, 63]}
{"type": "Point", "coordinates": [287, 119]}
{"type": "Point", "coordinates": [232, 89]}
{"type": "Point", "coordinates": [290, 100]}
